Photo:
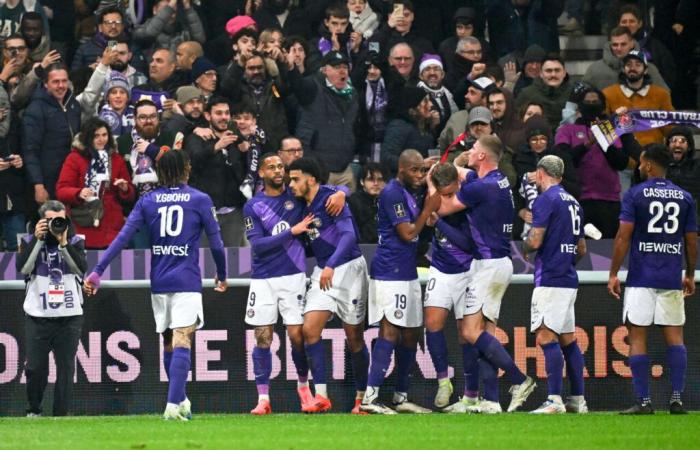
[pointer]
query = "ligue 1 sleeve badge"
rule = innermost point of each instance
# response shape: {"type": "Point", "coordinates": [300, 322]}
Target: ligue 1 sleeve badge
{"type": "Point", "coordinates": [399, 210]}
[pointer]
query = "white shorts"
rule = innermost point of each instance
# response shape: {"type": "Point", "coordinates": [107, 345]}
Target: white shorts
{"type": "Point", "coordinates": [489, 281]}
{"type": "Point", "coordinates": [271, 297]}
{"type": "Point", "coordinates": [398, 301]}
{"type": "Point", "coordinates": [447, 290]}
{"type": "Point", "coordinates": [646, 306]}
{"type": "Point", "coordinates": [347, 298]}
{"type": "Point", "coordinates": [554, 307]}
{"type": "Point", "coordinates": [177, 310]}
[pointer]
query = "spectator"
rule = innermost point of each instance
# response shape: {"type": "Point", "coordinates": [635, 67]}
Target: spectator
{"type": "Point", "coordinates": [116, 111]}
{"type": "Point", "coordinates": [329, 112]}
{"type": "Point", "coordinates": [15, 62]}
{"type": "Point", "coordinates": [506, 123]}
{"type": "Point", "coordinates": [600, 193]}
{"type": "Point", "coordinates": [244, 41]}
{"type": "Point", "coordinates": [32, 27]}
{"type": "Point", "coordinates": [123, 64]}
{"type": "Point", "coordinates": [476, 96]}
{"type": "Point", "coordinates": [432, 76]}
{"type": "Point", "coordinates": [94, 171]}
{"type": "Point", "coordinates": [23, 83]}
{"type": "Point", "coordinates": [254, 143]}
{"type": "Point", "coordinates": [12, 11]}
{"type": "Point", "coordinates": [218, 168]}
{"type": "Point", "coordinates": [551, 90]}
{"type": "Point", "coordinates": [363, 203]}
{"type": "Point", "coordinates": [531, 65]}
{"type": "Point", "coordinates": [605, 72]}
{"type": "Point", "coordinates": [90, 97]}
{"type": "Point", "coordinates": [467, 64]}
{"type": "Point", "coordinates": [162, 76]}
{"type": "Point", "coordinates": [13, 207]}
{"type": "Point", "coordinates": [204, 77]}
{"type": "Point", "coordinates": [685, 169]}
{"type": "Point", "coordinates": [168, 30]}
{"type": "Point", "coordinates": [110, 26]}
{"type": "Point", "coordinates": [412, 126]}
{"type": "Point", "coordinates": [279, 14]}
{"type": "Point", "coordinates": [636, 91]}
{"type": "Point", "coordinates": [188, 114]}
{"type": "Point", "coordinates": [464, 19]}
{"type": "Point", "coordinates": [530, 109]}
{"type": "Point", "coordinates": [397, 29]}
{"type": "Point", "coordinates": [48, 126]}
{"type": "Point", "coordinates": [374, 99]}
{"type": "Point", "coordinates": [52, 255]}
{"type": "Point", "coordinates": [186, 54]}
{"type": "Point", "coordinates": [335, 34]}
{"type": "Point", "coordinates": [362, 18]}
{"type": "Point", "coordinates": [290, 150]}
{"type": "Point", "coordinates": [270, 40]}
{"type": "Point", "coordinates": [517, 24]}
{"type": "Point", "coordinates": [539, 143]}
{"type": "Point", "coordinates": [656, 52]}
{"type": "Point", "coordinates": [263, 91]}
{"type": "Point", "coordinates": [403, 61]}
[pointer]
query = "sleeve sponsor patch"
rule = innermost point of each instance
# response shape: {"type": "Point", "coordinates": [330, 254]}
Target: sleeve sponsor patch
{"type": "Point", "coordinates": [248, 222]}
{"type": "Point", "coordinates": [399, 210]}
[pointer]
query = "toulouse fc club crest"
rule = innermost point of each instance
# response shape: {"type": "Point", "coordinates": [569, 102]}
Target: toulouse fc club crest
{"type": "Point", "coordinates": [398, 314]}
{"type": "Point", "coordinates": [289, 205]}
{"type": "Point", "coordinates": [250, 313]}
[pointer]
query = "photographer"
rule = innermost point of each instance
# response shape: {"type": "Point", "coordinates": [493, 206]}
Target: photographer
{"type": "Point", "coordinates": [53, 263]}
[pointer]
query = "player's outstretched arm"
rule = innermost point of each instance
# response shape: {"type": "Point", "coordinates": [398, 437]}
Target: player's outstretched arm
{"type": "Point", "coordinates": [691, 254]}
{"type": "Point", "coordinates": [620, 249]}
{"type": "Point", "coordinates": [132, 225]}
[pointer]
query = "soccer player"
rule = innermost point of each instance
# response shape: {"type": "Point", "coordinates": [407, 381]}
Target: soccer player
{"type": "Point", "coordinates": [557, 236]}
{"type": "Point", "coordinates": [446, 290]}
{"type": "Point", "coordinates": [394, 290]}
{"type": "Point", "coordinates": [175, 215]}
{"type": "Point", "coordinates": [338, 283]}
{"type": "Point", "coordinates": [274, 222]}
{"type": "Point", "coordinates": [657, 224]}
{"type": "Point", "coordinates": [489, 204]}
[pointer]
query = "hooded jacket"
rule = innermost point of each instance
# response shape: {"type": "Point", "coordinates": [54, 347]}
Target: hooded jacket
{"type": "Point", "coordinates": [509, 128]}
{"type": "Point", "coordinates": [551, 99]}
{"type": "Point", "coordinates": [605, 72]}
{"type": "Point", "coordinates": [72, 180]}
{"type": "Point", "coordinates": [686, 172]}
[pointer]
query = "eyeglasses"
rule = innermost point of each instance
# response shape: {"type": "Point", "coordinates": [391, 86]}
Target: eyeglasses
{"type": "Point", "coordinates": [112, 23]}
{"type": "Point", "coordinates": [471, 52]}
{"type": "Point", "coordinates": [374, 180]}
{"type": "Point", "coordinates": [149, 118]}
{"type": "Point", "coordinates": [679, 140]}
{"type": "Point", "coordinates": [293, 150]}
{"type": "Point", "coordinates": [402, 58]}
{"type": "Point", "coordinates": [538, 139]}
{"type": "Point", "coordinates": [21, 48]}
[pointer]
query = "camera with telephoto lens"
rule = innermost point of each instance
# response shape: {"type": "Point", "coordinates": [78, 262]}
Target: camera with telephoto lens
{"type": "Point", "coordinates": [57, 225]}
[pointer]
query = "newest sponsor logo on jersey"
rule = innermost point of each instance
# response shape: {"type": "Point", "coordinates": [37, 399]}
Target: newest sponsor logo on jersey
{"type": "Point", "coordinates": [280, 227]}
{"type": "Point", "coordinates": [660, 247]}
{"type": "Point", "coordinates": [171, 250]}
{"type": "Point", "coordinates": [289, 205]}
{"type": "Point", "coordinates": [399, 210]}
{"type": "Point", "coordinates": [248, 222]}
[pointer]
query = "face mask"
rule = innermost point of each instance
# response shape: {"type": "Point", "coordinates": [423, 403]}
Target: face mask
{"type": "Point", "coordinates": [591, 111]}
{"type": "Point", "coordinates": [568, 114]}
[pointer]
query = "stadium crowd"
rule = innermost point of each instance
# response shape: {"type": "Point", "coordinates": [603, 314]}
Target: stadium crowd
{"type": "Point", "coordinates": [85, 110]}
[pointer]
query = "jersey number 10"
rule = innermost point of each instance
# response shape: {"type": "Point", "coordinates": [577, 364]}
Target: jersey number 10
{"type": "Point", "coordinates": [169, 225]}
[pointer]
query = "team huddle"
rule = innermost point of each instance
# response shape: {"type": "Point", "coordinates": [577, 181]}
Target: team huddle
{"type": "Point", "coordinates": [470, 211]}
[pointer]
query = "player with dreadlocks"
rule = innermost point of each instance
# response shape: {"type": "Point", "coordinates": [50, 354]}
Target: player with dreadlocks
{"type": "Point", "coordinates": [175, 215]}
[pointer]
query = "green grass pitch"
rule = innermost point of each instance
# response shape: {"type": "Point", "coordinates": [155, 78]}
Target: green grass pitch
{"type": "Point", "coordinates": [341, 431]}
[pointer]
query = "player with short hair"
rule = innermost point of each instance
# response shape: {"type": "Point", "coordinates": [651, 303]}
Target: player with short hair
{"type": "Point", "coordinates": [557, 237]}
{"type": "Point", "coordinates": [394, 290]}
{"type": "Point", "coordinates": [278, 276]}
{"type": "Point", "coordinates": [489, 204]}
{"type": "Point", "coordinates": [338, 282]}
{"type": "Point", "coordinates": [175, 215]}
{"type": "Point", "coordinates": [657, 224]}
{"type": "Point", "coordinates": [448, 278]}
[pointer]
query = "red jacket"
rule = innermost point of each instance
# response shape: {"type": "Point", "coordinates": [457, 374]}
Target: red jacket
{"type": "Point", "coordinates": [72, 180]}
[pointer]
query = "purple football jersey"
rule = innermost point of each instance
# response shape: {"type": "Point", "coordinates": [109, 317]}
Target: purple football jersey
{"type": "Point", "coordinates": [333, 239]}
{"type": "Point", "coordinates": [175, 218]}
{"type": "Point", "coordinates": [395, 259]}
{"type": "Point", "coordinates": [561, 215]}
{"type": "Point", "coordinates": [452, 247]}
{"type": "Point", "coordinates": [661, 213]}
{"type": "Point", "coordinates": [268, 223]}
{"type": "Point", "coordinates": [490, 211]}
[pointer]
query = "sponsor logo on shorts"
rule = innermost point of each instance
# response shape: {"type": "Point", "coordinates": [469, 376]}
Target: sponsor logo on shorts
{"type": "Point", "coordinates": [398, 314]}
{"type": "Point", "coordinates": [250, 313]}
{"type": "Point", "coordinates": [399, 210]}
{"type": "Point", "coordinates": [289, 205]}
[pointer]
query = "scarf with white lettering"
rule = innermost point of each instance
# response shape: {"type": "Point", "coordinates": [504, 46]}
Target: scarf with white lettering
{"type": "Point", "coordinates": [145, 178]}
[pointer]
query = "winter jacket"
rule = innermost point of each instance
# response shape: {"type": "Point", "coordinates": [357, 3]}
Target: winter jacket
{"type": "Point", "coordinates": [401, 135]}
{"type": "Point", "coordinates": [170, 84]}
{"type": "Point", "coordinates": [364, 209]}
{"type": "Point", "coordinates": [605, 72]}
{"type": "Point", "coordinates": [657, 53]}
{"type": "Point", "coordinates": [686, 173]}
{"type": "Point", "coordinates": [551, 99]}
{"type": "Point", "coordinates": [47, 132]}
{"type": "Point", "coordinates": [509, 128]}
{"type": "Point", "coordinates": [156, 32]}
{"type": "Point", "coordinates": [526, 160]}
{"type": "Point", "coordinates": [327, 121]}
{"type": "Point", "coordinates": [89, 52]}
{"type": "Point", "coordinates": [72, 181]}
{"type": "Point", "coordinates": [218, 174]}
{"type": "Point", "coordinates": [297, 23]}
{"type": "Point", "coordinates": [387, 37]}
